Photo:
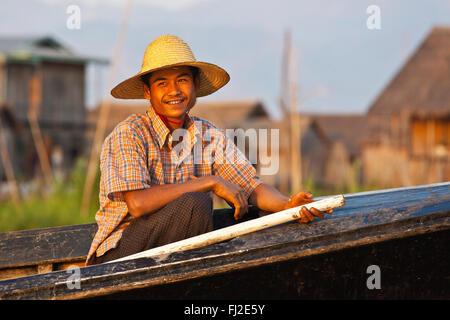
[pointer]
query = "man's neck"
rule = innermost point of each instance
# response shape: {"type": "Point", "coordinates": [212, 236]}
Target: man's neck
{"type": "Point", "coordinates": [172, 124]}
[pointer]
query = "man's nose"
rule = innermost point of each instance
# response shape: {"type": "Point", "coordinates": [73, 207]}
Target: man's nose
{"type": "Point", "coordinates": [173, 89]}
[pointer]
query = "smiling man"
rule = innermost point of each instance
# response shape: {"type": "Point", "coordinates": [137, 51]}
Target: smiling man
{"type": "Point", "coordinates": [151, 195]}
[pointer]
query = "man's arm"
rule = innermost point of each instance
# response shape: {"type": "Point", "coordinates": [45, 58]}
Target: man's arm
{"type": "Point", "coordinates": [146, 201]}
{"type": "Point", "coordinates": [268, 198]}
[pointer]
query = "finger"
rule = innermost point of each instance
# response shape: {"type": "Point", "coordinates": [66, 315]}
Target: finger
{"type": "Point", "coordinates": [303, 219]}
{"type": "Point", "coordinates": [301, 197]}
{"type": "Point", "coordinates": [237, 207]}
{"type": "Point", "coordinates": [306, 195]}
{"type": "Point", "coordinates": [316, 213]}
{"type": "Point", "coordinates": [306, 214]}
{"type": "Point", "coordinates": [329, 211]}
{"type": "Point", "coordinates": [309, 215]}
{"type": "Point", "coordinates": [241, 212]}
{"type": "Point", "coordinates": [299, 201]}
{"type": "Point", "coordinates": [237, 212]}
{"type": "Point", "coordinates": [243, 203]}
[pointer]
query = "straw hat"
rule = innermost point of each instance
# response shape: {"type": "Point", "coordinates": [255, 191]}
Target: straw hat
{"type": "Point", "coordinates": [170, 51]}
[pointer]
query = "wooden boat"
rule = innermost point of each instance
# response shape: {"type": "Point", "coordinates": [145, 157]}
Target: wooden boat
{"type": "Point", "coordinates": [387, 244]}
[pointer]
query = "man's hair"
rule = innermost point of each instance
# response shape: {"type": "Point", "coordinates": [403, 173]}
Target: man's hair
{"type": "Point", "coordinates": [195, 71]}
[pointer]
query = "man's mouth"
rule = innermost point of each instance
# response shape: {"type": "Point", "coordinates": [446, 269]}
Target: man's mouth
{"type": "Point", "coordinates": [172, 102]}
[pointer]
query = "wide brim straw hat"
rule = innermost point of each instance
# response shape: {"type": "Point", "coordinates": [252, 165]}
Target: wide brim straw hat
{"type": "Point", "coordinates": [170, 51]}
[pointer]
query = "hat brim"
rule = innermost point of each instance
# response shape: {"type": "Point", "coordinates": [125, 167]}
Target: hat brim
{"type": "Point", "coordinates": [212, 78]}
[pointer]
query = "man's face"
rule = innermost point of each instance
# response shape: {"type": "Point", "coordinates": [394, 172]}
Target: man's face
{"type": "Point", "coordinates": [172, 92]}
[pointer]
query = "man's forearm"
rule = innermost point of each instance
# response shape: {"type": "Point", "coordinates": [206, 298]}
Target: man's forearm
{"type": "Point", "coordinates": [268, 198]}
{"type": "Point", "coordinates": [145, 201]}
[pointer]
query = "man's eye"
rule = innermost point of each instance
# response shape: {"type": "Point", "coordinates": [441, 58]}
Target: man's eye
{"type": "Point", "coordinates": [182, 80]}
{"type": "Point", "coordinates": [160, 84]}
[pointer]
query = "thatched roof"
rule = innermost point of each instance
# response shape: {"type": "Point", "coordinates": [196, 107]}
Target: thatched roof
{"type": "Point", "coordinates": [422, 86]}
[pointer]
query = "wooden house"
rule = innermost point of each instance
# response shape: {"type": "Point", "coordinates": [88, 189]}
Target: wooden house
{"type": "Point", "coordinates": [231, 114]}
{"type": "Point", "coordinates": [330, 147]}
{"type": "Point", "coordinates": [338, 164]}
{"type": "Point", "coordinates": [409, 122]}
{"type": "Point", "coordinates": [43, 73]}
{"type": "Point", "coordinates": [244, 120]}
{"type": "Point", "coordinates": [330, 144]}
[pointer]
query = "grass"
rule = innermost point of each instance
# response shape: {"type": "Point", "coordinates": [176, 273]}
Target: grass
{"type": "Point", "coordinates": [60, 206]}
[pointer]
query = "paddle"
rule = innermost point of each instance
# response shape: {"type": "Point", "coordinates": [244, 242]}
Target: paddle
{"type": "Point", "coordinates": [219, 235]}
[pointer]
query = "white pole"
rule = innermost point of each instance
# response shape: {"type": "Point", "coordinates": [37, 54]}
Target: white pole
{"type": "Point", "coordinates": [238, 229]}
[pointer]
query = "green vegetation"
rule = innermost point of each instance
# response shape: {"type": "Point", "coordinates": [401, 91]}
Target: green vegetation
{"type": "Point", "coordinates": [60, 206]}
{"type": "Point", "coordinates": [352, 184]}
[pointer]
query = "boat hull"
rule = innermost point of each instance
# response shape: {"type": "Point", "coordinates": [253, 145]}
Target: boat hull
{"type": "Point", "coordinates": [388, 244]}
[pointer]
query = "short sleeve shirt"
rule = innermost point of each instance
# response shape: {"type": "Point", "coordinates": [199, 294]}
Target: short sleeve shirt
{"type": "Point", "coordinates": [141, 152]}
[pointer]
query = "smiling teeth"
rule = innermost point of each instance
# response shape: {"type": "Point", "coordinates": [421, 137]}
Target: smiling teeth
{"type": "Point", "coordinates": [174, 102]}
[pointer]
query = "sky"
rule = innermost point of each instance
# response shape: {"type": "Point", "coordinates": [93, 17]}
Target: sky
{"type": "Point", "coordinates": [341, 64]}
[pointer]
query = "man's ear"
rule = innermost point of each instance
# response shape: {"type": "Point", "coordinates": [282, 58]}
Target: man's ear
{"type": "Point", "coordinates": [146, 91]}
{"type": "Point", "coordinates": [197, 82]}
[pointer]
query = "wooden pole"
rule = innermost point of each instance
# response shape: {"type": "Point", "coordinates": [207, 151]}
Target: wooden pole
{"type": "Point", "coordinates": [105, 106]}
{"type": "Point", "coordinates": [284, 83]}
{"type": "Point", "coordinates": [296, 156]}
{"type": "Point", "coordinates": [238, 229]}
{"type": "Point", "coordinates": [9, 171]}
{"type": "Point", "coordinates": [288, 104]}
{"type": "Point", "coordinates": [4, 153]}
{"type": "Point", "coordinates": [285, 110]}
{"type": "Point", "coordinates": [35, 97]}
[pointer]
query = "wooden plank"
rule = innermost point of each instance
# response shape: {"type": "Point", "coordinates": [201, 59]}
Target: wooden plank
{"type": "Point", "coordinates": [69, 265]}
{"type": "Point", "coordinates": [28, 247]}
{"type": "Point", "coordinates": [18, 272]}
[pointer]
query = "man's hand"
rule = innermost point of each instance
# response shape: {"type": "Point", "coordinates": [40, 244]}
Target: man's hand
{"type": "Point", "coordinates": [304, 197]}
{"type": "Point", "coordinates": [233, 194]}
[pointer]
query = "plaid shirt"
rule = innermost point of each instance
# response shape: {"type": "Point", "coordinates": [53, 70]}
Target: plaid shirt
{"type": "Point", "coordinates": [140, 153]}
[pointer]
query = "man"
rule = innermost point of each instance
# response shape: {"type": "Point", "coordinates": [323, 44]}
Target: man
{"type": "Point", "coordinates": [150, 193]}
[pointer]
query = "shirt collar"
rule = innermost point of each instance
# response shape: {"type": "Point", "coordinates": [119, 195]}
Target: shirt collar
{"type": "Point", "coordinates": [162, 133]}
{"type": "Point", "coordinates": [160, 129]}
